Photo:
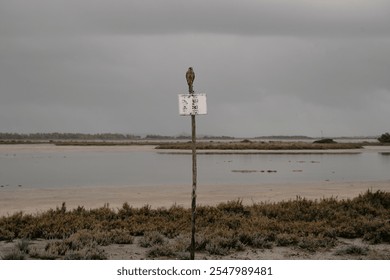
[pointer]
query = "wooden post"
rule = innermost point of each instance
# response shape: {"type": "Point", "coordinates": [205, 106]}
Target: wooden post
{"type": "Point", "coordinates": [193, 196]}
{"type": "Point", "coordinates": [192, 105]}
{"type": "Point", "coordinates": [194, 109]}
{"type": "Point", "coordinates": [190, 77]}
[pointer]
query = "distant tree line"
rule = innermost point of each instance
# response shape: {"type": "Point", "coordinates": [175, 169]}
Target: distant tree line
{"type": "Point", "coordinates": [156, 136]}
{"type": "Point", "coordinates": [99, 136]}
{"type": "Point", "coordinates": [67, 136]}
{"type": "Point", "coordinates": [183, 136]}
{"type": "Point", "coordinates": [284, 137]}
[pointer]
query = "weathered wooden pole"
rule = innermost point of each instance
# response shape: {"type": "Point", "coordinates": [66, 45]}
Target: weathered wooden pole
{"type": "Point", "coordinates": [193, 196]}
{"type": "Point", "coordinates": [190, 76]}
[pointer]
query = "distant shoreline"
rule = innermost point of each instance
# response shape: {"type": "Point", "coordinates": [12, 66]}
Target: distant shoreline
{"type": "Point", "coordinates": [161, 141]}
{"type": "Point", "coordinates": [203, 144]}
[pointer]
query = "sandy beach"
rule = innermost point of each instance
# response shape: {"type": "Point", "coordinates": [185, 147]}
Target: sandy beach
{"type": "Point", "coordinates": [35, 200]}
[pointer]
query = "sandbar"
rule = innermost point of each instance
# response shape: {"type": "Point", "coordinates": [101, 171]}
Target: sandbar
{"type": "Point", "coordinates": [37, 200]}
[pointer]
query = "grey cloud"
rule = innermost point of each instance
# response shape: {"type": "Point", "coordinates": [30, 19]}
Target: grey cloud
{"type": "Point", "coordinates": [279, 67]}
{"type": "Point", "coordinates": [248, 17]}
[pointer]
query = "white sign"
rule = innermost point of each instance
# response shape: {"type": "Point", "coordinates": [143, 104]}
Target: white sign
{"type": "Point", "coordinates": [192, 104]}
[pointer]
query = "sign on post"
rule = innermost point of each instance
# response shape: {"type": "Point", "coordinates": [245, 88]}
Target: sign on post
{"type": "Point", "coordinates": [192, 104]}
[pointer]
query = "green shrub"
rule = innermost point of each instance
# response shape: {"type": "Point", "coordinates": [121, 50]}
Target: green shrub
{"type": "Point", "coordinates": [384, 138]}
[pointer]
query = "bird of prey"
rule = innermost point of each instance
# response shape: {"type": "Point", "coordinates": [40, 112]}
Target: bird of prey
{"type": "Point", "coordinates": [190, 76]}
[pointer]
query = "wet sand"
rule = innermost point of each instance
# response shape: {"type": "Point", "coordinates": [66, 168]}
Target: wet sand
{"type": "Point", "coordinates": [36, 200]}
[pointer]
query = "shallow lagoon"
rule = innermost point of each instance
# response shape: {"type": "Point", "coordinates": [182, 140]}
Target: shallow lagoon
{"type": "Point", "coordinates": [46, 166]}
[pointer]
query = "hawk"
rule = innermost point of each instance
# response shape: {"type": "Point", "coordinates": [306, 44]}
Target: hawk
{"type": "Point", "coordinates": [190, 76]}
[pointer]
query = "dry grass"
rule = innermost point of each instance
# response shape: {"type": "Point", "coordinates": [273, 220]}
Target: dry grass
{"type": "Point", "coordinates": [309, 225]}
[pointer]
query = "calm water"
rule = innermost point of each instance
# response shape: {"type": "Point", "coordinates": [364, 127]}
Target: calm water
{"type": "Point", "coordinates": [98, 168]}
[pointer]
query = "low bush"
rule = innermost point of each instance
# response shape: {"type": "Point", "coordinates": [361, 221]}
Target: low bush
{"type": "Point", "coordinates": [152, 238]}
{"type": "Point", "coordinates": [353, 250]}
{"type": "Point", "coordinates": [161, 251]}
{"type": "Point", "coordinates": [384, 138]}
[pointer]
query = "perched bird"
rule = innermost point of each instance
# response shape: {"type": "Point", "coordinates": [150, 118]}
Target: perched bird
{"type": "Point", "coordinates": [190, 76]}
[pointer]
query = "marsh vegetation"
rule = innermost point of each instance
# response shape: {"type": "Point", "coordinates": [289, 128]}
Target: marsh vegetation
{"type": "Point", "coordinates": [259, 145]}
{"type": "Point", "coordinates": [307, 225]}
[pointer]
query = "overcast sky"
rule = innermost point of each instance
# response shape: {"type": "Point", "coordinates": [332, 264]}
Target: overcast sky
{"type": "Point", "coordinates": [268, 67]}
